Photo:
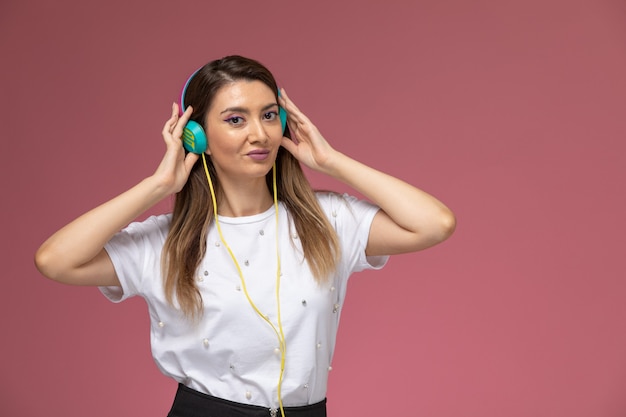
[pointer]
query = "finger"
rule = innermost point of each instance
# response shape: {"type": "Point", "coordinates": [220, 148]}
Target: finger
{"type": "Point", "coordinates": [289, 145]}
{"type": "Point", "coordinates": [286, 102]}
{"type": "Point", "coordinates": [181, 122]}
{"type": "Point", "coordinates": [186, 114]}
{"type": "Point", "coordinates": [190, 160]}
{"type": "Point", "coordinates": [174, 116]}
{"type": "Point", "coordinates": [171, 122]}
{"type": "Point", "coordinates": [294, 114]}
{"type": "Point", "coordinates": [173, 129]}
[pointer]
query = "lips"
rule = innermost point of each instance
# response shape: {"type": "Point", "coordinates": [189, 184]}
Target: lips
{"type": "Point", "coordinates": [259, 154]}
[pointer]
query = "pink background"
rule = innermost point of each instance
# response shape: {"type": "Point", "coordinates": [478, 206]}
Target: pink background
{"type": "Point", "coordinates": [512, 112]}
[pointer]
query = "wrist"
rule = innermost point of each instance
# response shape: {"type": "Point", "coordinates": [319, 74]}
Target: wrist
{"type": "Point", "coordinates": [157, 188]}
{"type": "Point", "coordinates": [334, 164]}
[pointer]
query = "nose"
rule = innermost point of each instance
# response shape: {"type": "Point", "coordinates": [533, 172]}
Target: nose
{"type": "Point", "coordinates": [257, 132]}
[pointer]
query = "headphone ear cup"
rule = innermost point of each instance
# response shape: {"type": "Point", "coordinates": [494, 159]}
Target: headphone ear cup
{"type": "Point", "coordinates": [194, 138]}
{"type": "Point", "coordinates": [283, 118]}
{"type": "Point", "coordinates": [283, 115]}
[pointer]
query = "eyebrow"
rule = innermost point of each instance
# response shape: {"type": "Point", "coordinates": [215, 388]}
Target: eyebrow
{"type": "Point", "coordinates": [245, 110]}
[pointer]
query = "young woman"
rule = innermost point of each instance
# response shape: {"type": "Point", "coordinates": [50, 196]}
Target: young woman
{"type": "Point", "coordinates": [245, 280]}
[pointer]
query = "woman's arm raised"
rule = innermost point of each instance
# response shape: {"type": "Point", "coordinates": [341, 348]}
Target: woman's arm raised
{"type": "Point", "coordinates": [75, 254]}
{"type": "Point", "coordinates": [409, 219]}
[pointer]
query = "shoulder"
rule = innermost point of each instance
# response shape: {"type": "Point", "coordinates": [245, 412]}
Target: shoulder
{"type": "Point", "coordinates": [335, 203]}
{"type": "Point", "coordinates": [161, 222]}
{"type": "Point", "coordinates": [327, 198]}
{"type": "Point", "coordinates": [153, 228]}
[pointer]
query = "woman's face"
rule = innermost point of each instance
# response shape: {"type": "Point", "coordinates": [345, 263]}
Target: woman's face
{"type": "Point", "coordinates": [243, 130]}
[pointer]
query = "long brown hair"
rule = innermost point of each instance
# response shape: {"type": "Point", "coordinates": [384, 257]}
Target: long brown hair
{"type": "Point", "coordinates": [185, 246]}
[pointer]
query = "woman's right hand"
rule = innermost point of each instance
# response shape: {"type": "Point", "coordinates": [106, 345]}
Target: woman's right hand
{"type": "Point", "coordinates": [173, 171]}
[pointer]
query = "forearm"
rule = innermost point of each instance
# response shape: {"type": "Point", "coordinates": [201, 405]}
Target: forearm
{"type": "Point", "coordinates": [420, 214]}
{"type": "Point", "coordinates": [81, 241]}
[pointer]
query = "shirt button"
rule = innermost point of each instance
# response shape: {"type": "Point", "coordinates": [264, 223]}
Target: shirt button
{"type": "Point", "coordinates": [161, 324]}
{"type": "Point", "coordinates": [248, 394]}
{"type": "Point", "coordinates": [205, 342]}
{"type": "Point", "coordinates": [261, 232]}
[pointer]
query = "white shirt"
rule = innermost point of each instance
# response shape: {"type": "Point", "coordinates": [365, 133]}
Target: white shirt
{"type": "Point", "coordinates": [232, 353]}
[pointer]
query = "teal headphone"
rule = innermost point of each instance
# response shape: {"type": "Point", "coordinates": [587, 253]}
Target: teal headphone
{"type": "Point", "coordinates": [194, 138]}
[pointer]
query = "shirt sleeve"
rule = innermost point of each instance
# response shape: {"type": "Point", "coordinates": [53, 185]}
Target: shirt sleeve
{"type": "Point", "coordinates": [352, 219]}
{"type": "Point", "coordinates": [134, 252]}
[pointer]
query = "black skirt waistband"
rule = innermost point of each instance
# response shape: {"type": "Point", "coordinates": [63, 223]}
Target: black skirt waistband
{"type": "Point", "coordinates": [191, 403]}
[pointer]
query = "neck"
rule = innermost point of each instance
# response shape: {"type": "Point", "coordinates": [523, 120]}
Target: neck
{"type": "Point", "coordinates": [244, 199]}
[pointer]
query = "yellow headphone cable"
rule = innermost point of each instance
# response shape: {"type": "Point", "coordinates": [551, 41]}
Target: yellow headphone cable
{"type": "Point", "coordinates": [278, 330]}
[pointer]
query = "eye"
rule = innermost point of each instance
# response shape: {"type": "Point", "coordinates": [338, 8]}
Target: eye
{"type": "Point", "coordinates": [235, 120]}
{"type": "Point", "coordinates": [271, 115]}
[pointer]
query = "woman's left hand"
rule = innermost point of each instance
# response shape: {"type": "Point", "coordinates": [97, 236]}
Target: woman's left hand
{"type": "Point", "coordinates": [307, 143]}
